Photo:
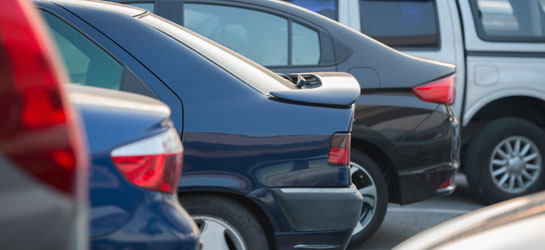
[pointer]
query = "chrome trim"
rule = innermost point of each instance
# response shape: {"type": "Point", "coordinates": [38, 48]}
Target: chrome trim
{"type": "Point", "coordinates": [450, 188]}
{"type": "Point", "coordinates": [351, 189]}
{"type": "Point", "coordinates": [316, 246]}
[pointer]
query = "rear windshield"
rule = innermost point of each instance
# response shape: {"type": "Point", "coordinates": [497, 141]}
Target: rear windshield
{"type": "Point", "coordinates": [248, 71]}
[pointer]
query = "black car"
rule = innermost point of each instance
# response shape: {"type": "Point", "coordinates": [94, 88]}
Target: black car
{"type": "Point", "coordinates": [266, 161]}
{"type": "Point", "coordinates": [405, 140]}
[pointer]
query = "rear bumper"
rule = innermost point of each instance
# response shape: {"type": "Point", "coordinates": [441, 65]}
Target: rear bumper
{"type": "Point", "coordinates": [159, 223]}
{"type": "Point", "coordinates": [320, 218]}
{"type": "Point", "coordinates": [425, 183]}
{"type": "Point", "coordinates": [431, 157]}
{"type": "Point", "coordinates": [319, 209]}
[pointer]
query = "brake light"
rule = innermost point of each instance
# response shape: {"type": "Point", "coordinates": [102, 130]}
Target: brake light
{"type": "Point", "coordinates": [339, 151]}
{"type": "Point", "coordinates": [154, 163]}
{"type": "Point", "coordinates": [439, 91]}
{"type": "Point", "coordinates": [445, 184]}
{"type": "Point", "coordinates": [38, 131]}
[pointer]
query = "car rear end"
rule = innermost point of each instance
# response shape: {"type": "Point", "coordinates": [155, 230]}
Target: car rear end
{"type": "Point", "coordinates": [404, 115]}
{"type": "Point", "coordinates": [317, 198]}
{"type": "Point", "coordinates": [288, 137]}
{"type": "Point", "coordinates": [136, 163]}
{"type": "Point", "coordinates": [281, 148]}
{"type": "Point", "coordinates": [42, 155]}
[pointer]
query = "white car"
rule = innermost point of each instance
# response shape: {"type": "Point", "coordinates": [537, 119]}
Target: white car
{"type": "Point", "coordinates": [514, 224]}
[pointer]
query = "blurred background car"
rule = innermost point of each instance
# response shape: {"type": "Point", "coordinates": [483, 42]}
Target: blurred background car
{"type": "Point", "coordinates": [43, 164]}
{"type": "Point", "coordinates": [405, 139]}
{"type": "Point", "coordinates": [136, 163]}
{"type": "Point", "coordinates": [498, 47]}
{"type": "Point", "coordinates": [513, 224]}
{"type": "Point", "coordinates": [259, 173]}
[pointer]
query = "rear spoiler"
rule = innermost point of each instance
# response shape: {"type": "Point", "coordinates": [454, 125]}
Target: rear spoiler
{"type": "Point", "coordinates": [326, 88]}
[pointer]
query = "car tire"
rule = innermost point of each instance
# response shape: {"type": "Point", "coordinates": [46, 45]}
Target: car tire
{"type": "Point", "coordinates": [224, 221]}
{"type": "Point", "coordinates": [371, 183]}
{"type": "Point", "coordinates": [493, 157]}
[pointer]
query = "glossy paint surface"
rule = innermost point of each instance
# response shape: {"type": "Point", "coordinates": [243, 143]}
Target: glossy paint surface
{"type": "Point", "coordinates": [237, 141]}
{"type": "Point", "coordinates": [123, 215]}
{"type": "Point", "coordinates": [414, 135]}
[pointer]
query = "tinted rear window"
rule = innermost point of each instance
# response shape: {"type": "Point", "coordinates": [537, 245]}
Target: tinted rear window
{"type": "Point", "coordinates": [253, 74]}
{"type": "Point", "coordinates": [409, 23]}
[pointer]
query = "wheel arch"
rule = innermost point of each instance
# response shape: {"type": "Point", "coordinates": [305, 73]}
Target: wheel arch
{"type": "Point", "coordinates": [257, 211]}
{"type": "Point", "coordinates": [484, 105]}
{"type": "Point", "coordinates": [385, 163]}
{"type": "Point", "coordinates": [527, 107]}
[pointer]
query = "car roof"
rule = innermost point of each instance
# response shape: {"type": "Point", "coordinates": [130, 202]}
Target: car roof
{"type": "Point", "coordinates": [101, 5]}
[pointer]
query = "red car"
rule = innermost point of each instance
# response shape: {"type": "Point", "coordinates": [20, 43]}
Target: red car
{"type": "Point", "coordinates": [42, 157]}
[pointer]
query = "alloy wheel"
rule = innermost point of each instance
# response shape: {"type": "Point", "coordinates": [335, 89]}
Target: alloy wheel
{"type": "Point", "coordinates": [217, 234]}
{"type": "Point", "coordinates": [515, 164]}
{"type": "Point", "coordinates": [366, 186]}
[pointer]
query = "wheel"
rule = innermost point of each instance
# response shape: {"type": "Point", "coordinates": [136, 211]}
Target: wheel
{"type": "Point", "coordinates": [505, 160]}
{"type": "Point", "coordinates": [224, 223]}
{"type": "Point", "coordinates": [370, 181]}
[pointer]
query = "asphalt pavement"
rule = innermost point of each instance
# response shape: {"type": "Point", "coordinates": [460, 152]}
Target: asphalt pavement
{"type": "Point", "coordinates": [402, 222]}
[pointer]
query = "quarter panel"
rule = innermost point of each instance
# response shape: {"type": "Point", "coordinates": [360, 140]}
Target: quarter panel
{"type": "Point", "coordinates": [514, 76]}
{"type": "Point", "coordinates": [113, 198]}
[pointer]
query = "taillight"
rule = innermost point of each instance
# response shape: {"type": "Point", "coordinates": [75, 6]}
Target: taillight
{"type": "Point", "coordinates": [339, 150]}
{"type": "Point", "coordinates": [154, 163]}
{"type": "Point", "coordinates": [38, 132]}
{"type": "Point", "coordinates": [439, 91]}
{"type": "Point", "coordinates": [445, 184]}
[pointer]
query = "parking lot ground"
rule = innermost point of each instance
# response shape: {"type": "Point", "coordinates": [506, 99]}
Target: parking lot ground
{"type": "Point", "coordinates": [402, 222]}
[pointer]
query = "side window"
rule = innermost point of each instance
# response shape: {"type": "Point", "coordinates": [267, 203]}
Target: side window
{"type": "Point", "coordinates": [510, 20]}
{"type": "Point", "coordinates": [328, 8]}
{"type": "Point", "coordinates": [305, 46]}
{"type": "Point", "coordinates": [259, 36]}
{"type": "Point", "coordinates": [87, 64]}
{"type": "Point", "coordinates": [147, 6]}
{"type": "Point", "coordinates": [405, 23]}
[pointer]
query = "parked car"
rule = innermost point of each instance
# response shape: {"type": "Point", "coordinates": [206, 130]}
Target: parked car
{"type": "Point", "coordinates": [514, 224]}
{"type": "Point", "coordinates": [266, 160]}
{"type": "Point", "coordinates": [498, 47]}
{"type": "Point", "coordinates": [136, 163]}
{"type": "Point", "coordinates": [405, 140]}
{"type": "Point", "coordinates": [43, 164]}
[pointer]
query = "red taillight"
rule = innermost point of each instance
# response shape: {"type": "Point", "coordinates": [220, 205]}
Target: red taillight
{"type": "Point", "coordinates": [38, 132]}
{"type": "Point", "coordinates": [339, 151]}
{"type": "Point", "coordinates": [153, 163]}
{"type": "Point", "coordinates": [439, 91]}
{"type": "Point", "coordinates": [445, 184]}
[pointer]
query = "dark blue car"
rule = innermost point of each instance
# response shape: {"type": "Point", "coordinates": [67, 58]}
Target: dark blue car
{"type": "Point", "coordinates": [266, 157]}
{"type": "Point", "coordinates": [136, 162]}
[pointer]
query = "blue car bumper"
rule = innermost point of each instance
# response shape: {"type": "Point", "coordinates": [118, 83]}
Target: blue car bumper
{"type": "Point", "coordinates": [158, 223]}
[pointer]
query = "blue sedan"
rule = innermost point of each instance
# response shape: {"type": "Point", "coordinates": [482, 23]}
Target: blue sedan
{"type": "Point", "coordinates": [266, 157]}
